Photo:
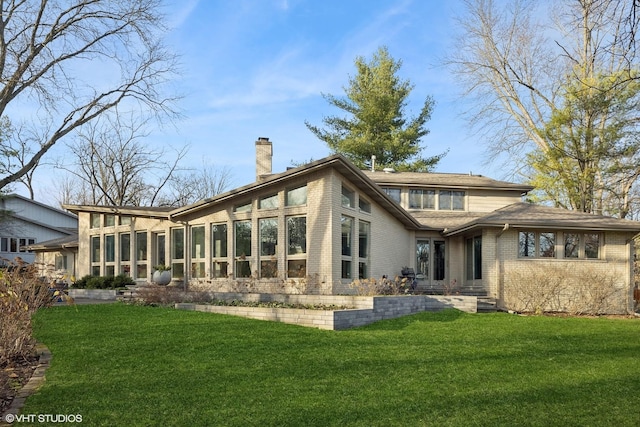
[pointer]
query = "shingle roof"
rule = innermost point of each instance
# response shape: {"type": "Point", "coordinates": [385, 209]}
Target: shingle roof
{"type": "Point", "coordinates": [443, 180]}
{"type": "Point", "coordinates": [527, 215]}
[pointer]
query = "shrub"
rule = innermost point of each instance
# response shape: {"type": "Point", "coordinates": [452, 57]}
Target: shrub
{"type": "Point", "coordinates": [104, 282]}
{"type": "Point", "coordinates": [397, 286]}
{"type": "Point", "coordinates": [21, 294]}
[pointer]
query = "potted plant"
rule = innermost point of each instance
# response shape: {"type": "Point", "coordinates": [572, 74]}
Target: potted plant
{"type": "Point", "coordinates": [161, 274]}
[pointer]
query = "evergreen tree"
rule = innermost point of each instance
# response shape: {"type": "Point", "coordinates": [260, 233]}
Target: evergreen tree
{"type": "Point", "coordinates": [375, 124]}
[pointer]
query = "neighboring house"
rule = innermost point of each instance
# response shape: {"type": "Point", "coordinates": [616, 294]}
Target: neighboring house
{"type": "Point", "coordinates": [28, 224]}
{"type": "Point", "coordinates": [320, 227]}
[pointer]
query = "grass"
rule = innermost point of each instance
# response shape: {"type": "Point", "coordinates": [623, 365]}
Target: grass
{"type": "Point", "coordinates": [120, 365]}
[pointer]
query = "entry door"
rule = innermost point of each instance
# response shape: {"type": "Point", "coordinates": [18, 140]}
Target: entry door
{"type": "Point", "coordinates": [430, 260]}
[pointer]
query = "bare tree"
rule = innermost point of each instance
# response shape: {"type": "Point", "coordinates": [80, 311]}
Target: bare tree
{"type": "Point", "coordinates": [194, 185]}
{"type": "Point", "coordinates": [72, 61]}
{"type": "Point", "coordinates": [111, 165]}
{"type": "Point", "coordinates": [558, 98]}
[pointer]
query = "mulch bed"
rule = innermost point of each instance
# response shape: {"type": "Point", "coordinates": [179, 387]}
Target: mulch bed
{"type": "Point", "coordinates": [13, 377]}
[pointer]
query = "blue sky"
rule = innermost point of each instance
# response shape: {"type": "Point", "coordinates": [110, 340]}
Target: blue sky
{"type": "Point", "coordinates": [257, 68]}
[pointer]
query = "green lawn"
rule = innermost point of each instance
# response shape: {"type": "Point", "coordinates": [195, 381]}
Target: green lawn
{"type": "Point", "coordinates": [120, 365]}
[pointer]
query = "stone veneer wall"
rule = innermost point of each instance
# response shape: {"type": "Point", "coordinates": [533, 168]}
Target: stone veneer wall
{"type": "Point", "coordinates": [366, 309]}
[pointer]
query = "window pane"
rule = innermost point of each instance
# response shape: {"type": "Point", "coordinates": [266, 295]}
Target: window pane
{"type": "Point", "coordinates": [394, 193]}
{"type": "Point", "coordinates": [161, 257]}
{"type": "Point", "coordinates": [438, 260]}
{"type": "Point", "coordinates": [109, 220]}
{"type": "Point", "coordinates": [197, 270]}
{"type": "Point", "coordinates": [347, 226]}
{"type": "Point", "coordinates": [348, 198]}
{"type": "Point", "coordinates": [592, 246]}
{"type": "Point", "coordinates": [415, 199]}
{"type": "Point", "coordinates": [346, 269]}
{"type": "Point", "coordinates": [457, 200]}
{"type": "Point", "coordinates": [364, 205]}
{"type": "Point", "coordinates": [125, 220]}
{"type": "Point", "coordinates": [219, 239]}
{"type": "Point", "coordinates": [297, 196]}
{"type": "Point", "coordinates": [243, 208]}
{"type": "Point", "coordinates": [571, 245]}
{"type": "Point", "coordinates": [95, 249]}
{"type": "Point", "coordinates": [220, 269]}
{"type": "Point", "coordinates": [296, 268]}
{"type": "Point", "coordinates": [141, 271]}
{"type": "Point", "coordinates": [268, 236]}
{"type": "Point", "coordinates": [423, 257]}
{"type": "Point", "coordinates": [94, 218]}
{"type": "Point", "coordinates": [469, 259]}
{"type": "Point", "coordinates": [177, 270]}
{"type": "Point", "coordinates": [527, 244]}
{"type": "Point", "coordinates": [477, 257]}
{"type": "Point", "coordinates": [270, 202]}
{"type": "Point", "coordinates": [362, 270]}
{"type": "Point", "coordinates": [363, 239]}
{"type": "Point", "coordinates": [444, 201]}
{"type": "Point", "coordinates": [547, 245]}
{"type": "Point", "coordinates": [269, 269]}
{"type": "Point", "coordinates": [110, 248]}
{"type": "Point", "coordinates": [177, 244]}
{"type": "Point", "coordinates": [125, 247]}
{"type": "Point", "coordinates": [243, 269]}
{"type": "Point", "coordinates": [197, 242]}
{"type": "Point", "coordinates": [141, 246]}
{"type": "Point", "coordinates": [243, 239]}
{"type": "Point", "coordinates": [297, 234]}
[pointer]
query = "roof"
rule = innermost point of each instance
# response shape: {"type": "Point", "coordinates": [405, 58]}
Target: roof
{"type": "Point", "coordinates": [34, 202]}
{"type": "Point", "coordinates": [444, 180]}
{"type": "Point", "coordinates": [66, 242]}
{"type": "Point", "coordinates": [338, 162]}
{"type": "Point", "coordinates": [527, 215]}
{"type": "Point", "coordinates": [140, 211]}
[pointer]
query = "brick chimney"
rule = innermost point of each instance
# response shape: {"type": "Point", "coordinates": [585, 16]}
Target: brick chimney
{"type": "Point", "coordinates": [264, 154]}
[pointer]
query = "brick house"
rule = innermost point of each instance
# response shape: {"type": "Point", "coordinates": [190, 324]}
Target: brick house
{"type": "Point", "coordinates": [319, 227]}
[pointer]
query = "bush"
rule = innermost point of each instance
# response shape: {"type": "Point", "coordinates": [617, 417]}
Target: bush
{"type": "Point", "coordinates": [21, 294]}
{"type": "Point", "coordinates": [104, 282]}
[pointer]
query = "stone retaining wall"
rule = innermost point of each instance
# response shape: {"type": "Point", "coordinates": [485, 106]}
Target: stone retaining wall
{"type": "Point", "coordinates": [370, 309]}
{"type": "Point", "coordinates": [105, 294]}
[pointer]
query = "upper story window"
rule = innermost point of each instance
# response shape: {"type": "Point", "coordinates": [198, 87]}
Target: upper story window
{"type": "Point", "coordinates": [94, 220]}
{"type": "Point", "coordinates": [348, 198]}
{"type": "Point", "coordinates": [243, 208]}
{"type": "Point", "coordinates": [125, 220]}
{"type": "Point", "coordinates": [422, 199]}
{"type": "Point", "coordinates": [364, 205]}
{"type": "Point", "coordinates": [109, 220]}
{"type": "Point", "coordinates": [394, 193]}
{"type": "Point", "coordinates": [451, 200]}
{"type": "Point", "coordinates": [296, 196]}
{"type": "Point", "coordinates": [269, 202]}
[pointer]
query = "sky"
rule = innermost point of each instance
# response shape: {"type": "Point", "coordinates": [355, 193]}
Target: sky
{"type": "Point", "coordinates": [258, 68]}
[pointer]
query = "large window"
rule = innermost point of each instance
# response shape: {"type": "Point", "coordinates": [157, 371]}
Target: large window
{"type": "Point", "coordinates": [220, 262]}
{"type": "Point", "coordinates": [268, 247]}
{"type": "Point", "coordinates": [94, 220]}
{"type": "Point", "coordinates": [534, 244]}
{"type": "Point", "coordinates": [364, 232]}
{"type": "Point", "coordinates": [109, 254]}
{"type": "Point", "coordinates": [141, 255]}
{"type": "Point", "coordinates": [125, 254]}
{"type": "Point", "coordinates": [109, 220]}
{"type": "Point", "coordinates": [347, 243]}
{"type": "Point", "coordinates": [474, 258]}
{"type": "Point", "coordinates": [177, 253]}
{"type": "Point", "coordinates": [439, 264]}
{"type": "Point", "coordinates": [430, 260]}
{"type": "Point", "coordinates": [198, 263]}
{"type": "Point", "coordinates": [296, 246]}
{"type": "Point", "coordinates": [95, 255]}
{"type": "Point", "coordinates": [242, 237]}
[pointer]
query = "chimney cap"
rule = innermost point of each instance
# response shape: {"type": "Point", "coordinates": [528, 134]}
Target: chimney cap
{"type": "Point", "coordinates": [263, 138]}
